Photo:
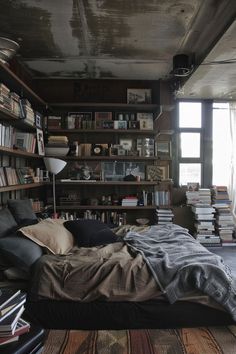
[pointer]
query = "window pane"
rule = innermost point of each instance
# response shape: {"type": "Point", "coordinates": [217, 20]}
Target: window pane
{"type": "Point", "coordinates": [221, 144]}
{"type": "Point", "coordinates": [190, 144]}
{"type": "Point", "coordinates": [190, 115]}
{"type": "Point", "coordinates": [189, 172]}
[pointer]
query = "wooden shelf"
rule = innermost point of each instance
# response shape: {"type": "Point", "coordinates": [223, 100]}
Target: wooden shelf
{"type": "Point", "coordinates": [102, 131]}
{"type": "Point", "coordinates": [105, 158]}
{"type": "Point", "coordinates": [15, 121]}
{"type": "Point", "coordinates": [155, 108]}
{"type": "Point", "coordinates": [107, 183]}
{"type": "Point", "coordinates": [113, 105]}
{"type": "Point", "coordinates": [105, 207]}
{"type": "Point", "coordinates": [18, 187]}
{"type": "Point", "coordinates": [11, 80]}
{"type": "Point", "coordinates": [20, 153]}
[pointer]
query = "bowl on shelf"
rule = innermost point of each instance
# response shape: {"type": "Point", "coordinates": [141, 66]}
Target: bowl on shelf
{"type": "Point", "coordinates": [56, 151]}
{"type": "Point", "coordinates": [142, 221]}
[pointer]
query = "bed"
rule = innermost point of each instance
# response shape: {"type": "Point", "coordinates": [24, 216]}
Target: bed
{"type": "Point", "coordinates": [83, 275]}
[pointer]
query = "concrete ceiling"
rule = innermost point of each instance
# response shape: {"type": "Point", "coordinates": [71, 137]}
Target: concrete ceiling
{"type": "Point", "coordinates": [111, 39]}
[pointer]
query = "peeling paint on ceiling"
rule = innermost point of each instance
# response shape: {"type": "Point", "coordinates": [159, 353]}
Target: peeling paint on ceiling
{"type": "Point", "coordinates": [132, 39]}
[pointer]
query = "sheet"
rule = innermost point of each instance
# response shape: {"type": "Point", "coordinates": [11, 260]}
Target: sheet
{"type": "Point", "coordinates": [110, 273]}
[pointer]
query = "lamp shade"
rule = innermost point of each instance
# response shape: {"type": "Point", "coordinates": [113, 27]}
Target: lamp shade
{"type": "Point", "coordinates": [54, 165]}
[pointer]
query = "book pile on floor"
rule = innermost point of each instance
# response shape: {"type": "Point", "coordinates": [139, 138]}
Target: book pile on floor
{"type": "Point", "coordinates": [164, 216]}
{"type": "Point", "coordinates": [202, 195]}
{"type": "Point", "coordinates": [11, 309]}
{"type": "Point", "coordinates": [204, 224]}
{"type": "Point", "coordinates": [224, 223]}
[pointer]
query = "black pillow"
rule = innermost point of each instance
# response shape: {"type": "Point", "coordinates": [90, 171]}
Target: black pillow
{"type": "Point", "coordinates": [7, 222]}
{"type": "Point", "coordinates": [19, 251]}
{"type": "Point", "coordinates": [22, 211]}
{"type": "Point", "coordinates": [89, 233]}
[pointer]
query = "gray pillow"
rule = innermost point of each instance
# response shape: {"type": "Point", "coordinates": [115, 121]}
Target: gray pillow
{"type": "Point", "coordinates": [7, 222]}
{"type": "Point", "coordinates": [20, 252]}
{"type": "Point", "coordinates": [22, 211]}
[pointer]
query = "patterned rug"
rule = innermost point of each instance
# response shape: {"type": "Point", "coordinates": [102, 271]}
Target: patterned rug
{"type": "Point", "coordinates": [201, 340]}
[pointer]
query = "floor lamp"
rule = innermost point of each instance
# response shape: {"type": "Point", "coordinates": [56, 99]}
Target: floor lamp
{"type": "Point", "coordinates": [54, 166]}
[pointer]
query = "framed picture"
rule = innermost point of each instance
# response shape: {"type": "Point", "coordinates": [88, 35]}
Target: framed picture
{"type": "Point", "coordinates": [126, 144]}
{"type": "Point", "coordinates": [40, 142]}
{"type": "Point", "coordinates": [38, 120]}
{"type": "Point", "coordinates": [157, 173]}
{"type": "Point", "coordinates": [135, 96]}
{"type": "Point", "coordinates": [163, 149]}
{"type": "Point", "coordinates": [101, 117]}
{"type": "Point", "coordinates": [193, 186]}
{"type": "Point", "coordinates": [145, 121]}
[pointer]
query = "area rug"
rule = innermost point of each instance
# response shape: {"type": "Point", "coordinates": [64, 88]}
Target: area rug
{"type": "Point", "coordinates": [201, 340]}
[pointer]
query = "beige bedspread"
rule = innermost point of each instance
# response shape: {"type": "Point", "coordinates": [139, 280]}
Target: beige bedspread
{"type": "Point", "coordinates": [108, 273]}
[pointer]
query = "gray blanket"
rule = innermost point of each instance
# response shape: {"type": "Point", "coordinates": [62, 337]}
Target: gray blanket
{"type": "Point", "coordinates": [181, 264]}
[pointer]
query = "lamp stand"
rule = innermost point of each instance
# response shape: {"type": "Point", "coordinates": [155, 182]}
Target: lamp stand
{"type": "Point", "coordinates": [54, 196]}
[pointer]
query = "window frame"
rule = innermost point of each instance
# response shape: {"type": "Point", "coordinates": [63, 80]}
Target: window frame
{"type": "Point", "coordinates": [205, 131]}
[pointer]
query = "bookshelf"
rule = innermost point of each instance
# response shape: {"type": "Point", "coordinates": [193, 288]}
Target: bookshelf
{"type": "Point", "coordinates": [87, 196]}
{"type": "Point", "coordinates": [13, 157]}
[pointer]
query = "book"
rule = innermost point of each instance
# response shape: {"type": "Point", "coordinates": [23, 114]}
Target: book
{"type": "Point", "coordinates": [6, 295]}
{"type": "Point", "coordinates": [22, 327]}
{"type": "Point", "coordinates": [7, 340]}
{"type": "Point", "coordinates": [10, 322]}
{"type": "Point", "coordinates": [11, 306]}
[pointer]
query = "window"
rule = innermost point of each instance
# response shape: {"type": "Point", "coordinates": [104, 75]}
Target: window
{"type": "Point", "coordinates": [203, 143]}
{"type": "Point", "coordinates": [221, 144]}
{"type": "Point", "coordinates": [189, 128]}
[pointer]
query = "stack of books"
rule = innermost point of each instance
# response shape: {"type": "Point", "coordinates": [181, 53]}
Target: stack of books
{"type": "Point", "coordinates": [220, 196]}
{"type": "Point", "coordinates": [57, 145]}
{"type": "Point", "coordinates": [15, 103]}
{"type": "Point", "coordinates": [11, 309]}
{"type": "Point", "coordinates": [225, 225]}
{"type": "Point", "coordinates": [129, 201]}
{"type": "Point", "coordinates": [26, 111]}
{"type": "Point", "coordinates": [164, 216]}
{"type": "Point", "coordinates": [201, 195]}
{"type": "Point", "coordinates": [204, 224]}
{"type": "Point", "coordinates": [5, 101]}
{"type": "Point", "coordinates": [204, 195]}
{"type": "Point", "coordinates": [54, 122]}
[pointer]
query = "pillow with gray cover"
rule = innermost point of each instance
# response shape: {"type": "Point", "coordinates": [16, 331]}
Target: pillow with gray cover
{"type": "Point", "coordinates": [7, 223]}
{"type": "Point", "coordinates": [20, 252]}
{"type": "Point", "coordinates": [22, 211]}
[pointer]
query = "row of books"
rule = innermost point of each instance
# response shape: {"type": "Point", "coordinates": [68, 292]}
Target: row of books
{"type": "Point", "coordinates": [12, 325]}
{"type": "Point", "coordinates": [12, 138]}
{"type": "Point", "coordinates": [102, 120]}
{"type": "Point", "coordinates": [108, 217]}
{"type": "Point", "coordinates": [10, 176]}
{"type": "Point", "coordinates": [162, 198]}
{"type": "Point", "coordinates": [20, 107]}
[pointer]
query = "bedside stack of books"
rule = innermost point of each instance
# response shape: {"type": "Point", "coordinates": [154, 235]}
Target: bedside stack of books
{"type": "Point", "coordinates": [204, 225]}
{"type": "Point", "coordinates": [224, 224]}
{"type": "Point", "coordinates": [164, 216]}
{"type": "Point", "coordinates": [11, 309]}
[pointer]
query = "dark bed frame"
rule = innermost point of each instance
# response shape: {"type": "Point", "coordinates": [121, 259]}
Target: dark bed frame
{"type": "Point", "coordinates": [96, 315]}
